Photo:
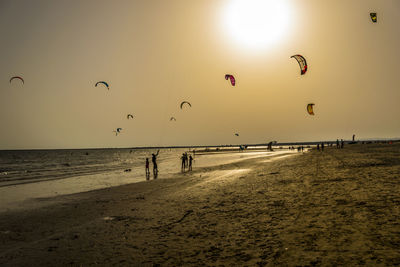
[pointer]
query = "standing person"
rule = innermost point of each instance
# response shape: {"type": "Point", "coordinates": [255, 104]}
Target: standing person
{"type": "Point", "coordinates": [190, 162]}
{"type": "Point", "coordinates": [341, 143]}
{"type": "Point", "coordinates": [322, 146]}
{"type": "Point", "coordinates": [154, 160]}
{"type": "Point", "coordinates": [147, 169]}
{"type": "Point", "coordinates": [186, 159]}
{"type": "Point", "coordinates": [318, 147]}
{"type": "Point", "coordinates": [183, 162]}
{"type": "Point", "coordinates": [337, 143]}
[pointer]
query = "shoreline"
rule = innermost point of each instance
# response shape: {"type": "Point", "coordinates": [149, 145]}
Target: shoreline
{"type": "Point", "coordinates": [339, 207]}
{"type": "Point", "coordinates": [22, 195]}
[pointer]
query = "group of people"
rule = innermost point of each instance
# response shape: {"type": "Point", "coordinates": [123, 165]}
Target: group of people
{"type": "Point", "coordinates": [299, 148]}
{"type": "Point", "coordinates": [155, 168]}
{"type": "Point", "coordinates": [339, 144]}
{"type": "Point", "coordinates": [186, 162]}
{"type": "Point", "coordinates": [322, 146]}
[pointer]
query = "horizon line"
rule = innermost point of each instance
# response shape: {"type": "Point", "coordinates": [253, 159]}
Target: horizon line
{"type": "Point", "coordinates": [205, 146]}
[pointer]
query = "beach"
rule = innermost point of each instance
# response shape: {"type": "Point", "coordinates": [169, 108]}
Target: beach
{"type": "Point", "coordinates": [331, 207]}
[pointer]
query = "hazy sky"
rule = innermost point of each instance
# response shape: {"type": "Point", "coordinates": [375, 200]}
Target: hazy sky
{"type": "Point", "coordinates": [157, 53]}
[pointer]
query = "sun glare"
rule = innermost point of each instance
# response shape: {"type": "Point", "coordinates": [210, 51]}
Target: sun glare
{"type": "Point", "coordinates": [256, 23]}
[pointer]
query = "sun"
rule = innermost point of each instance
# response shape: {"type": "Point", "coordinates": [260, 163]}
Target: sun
{"type": "Point", "coordinates": [256, 23]}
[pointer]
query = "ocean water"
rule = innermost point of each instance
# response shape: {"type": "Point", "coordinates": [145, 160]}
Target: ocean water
{"type": "Point", "coordinates": [29, 166]}
{"type": "Point", "coordinates": [35, 174]}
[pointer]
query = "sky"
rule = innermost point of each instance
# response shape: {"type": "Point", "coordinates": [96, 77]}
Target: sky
{"type": "Point", "coordinates": [157, 53]}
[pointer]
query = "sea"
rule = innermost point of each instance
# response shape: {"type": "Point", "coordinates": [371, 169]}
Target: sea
{"type": "Point", "coordinates": [34, 174]}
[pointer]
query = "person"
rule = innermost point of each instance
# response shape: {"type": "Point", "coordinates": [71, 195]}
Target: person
{"type": "Point", "coordinates": [318, 147]}
{"type": "Point", "coordinates": [154, 160]}
{"type": "Point", "coordinates": [322, 146]}
{"type": "Point", "coordinates": [270, 146]}
{"type": "Point", "coordinates": [186, 159]}
{"type": "Point", "coordinates": [183, 162]}
{"type": "Point", "coordinates": [147, 169]}
{"type": "Point", "coordinates": [337, 143]}
{"type": "Point", "coordinates": [342, 143]}
{"type": "Point", "coordinates": [190, 162]}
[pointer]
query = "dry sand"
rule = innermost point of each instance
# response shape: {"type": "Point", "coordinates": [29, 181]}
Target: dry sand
{"type": "Point", "coordinates": [337, 207]}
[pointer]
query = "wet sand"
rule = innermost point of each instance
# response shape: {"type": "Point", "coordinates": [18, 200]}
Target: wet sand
{"type": "Point", "coordinates": [337, 207]}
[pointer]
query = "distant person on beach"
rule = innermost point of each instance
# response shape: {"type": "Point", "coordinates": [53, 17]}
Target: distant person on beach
{"type": "Point", "coordinates": [147, 168]}
{"type": "Point", "coordinates": [341, 143]}
{"type": "Point", "coordinates": [183, 166]}
{"type": "Point", "coordinates": [154, 160]}
{"type": "Point", "coordinates": [337, 143]}
{"type": "Point", "coordinates": [318, 147]}
{"type": "Point", "coordinates": [190, 162]}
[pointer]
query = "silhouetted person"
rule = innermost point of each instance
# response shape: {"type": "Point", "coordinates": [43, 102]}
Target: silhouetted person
{"type": "Point", "coordinates": [342, 144]}
{"type": "Point", "coordinates": [337, 143]}
{"type": "Point", "coordinates": [190, 162]}
{"type": "Point", "coordinates": [270, 146]}
{"type": "Point", "coordinates": [322, 146]}
{"type": "Point", "coordinates": [186, 160]}
{"type": "Point", "coordinates": [154, 160]}
{"type": "Point", "coordinates": [183, 166]}
{"type": "Point", "coordinates": [318, 147]}
{"type": "Point", "coordinates": [147, 169]}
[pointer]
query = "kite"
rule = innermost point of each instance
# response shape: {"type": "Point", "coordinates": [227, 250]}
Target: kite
{"type": "Point", "coordinates": [129, 116]}
{"type": "Point", "coordinates": [185, 102]}
{"type": "Point", "coordinates": [231, 78]}
{"type": "Point", "coordinates": [105, 84]}
{"type": "Point", "coordinates": [302, 63]}
{"type": "Point", "coordinates": [236, 134]}
{"type": "Point", "coordinates": [117, 131]}
{"type": "Point", "coordinates": [17, 77]}
{"type": "Point", "coordinates": [172, 119]}
{"type": "Point", "coordinates": [310, 109]}
{"type": "Point", "coordinates": [373, 17]}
